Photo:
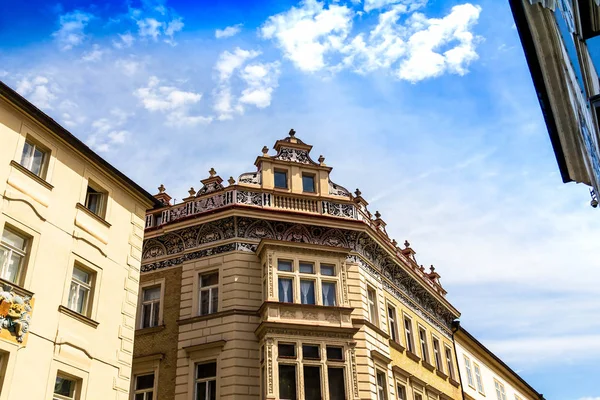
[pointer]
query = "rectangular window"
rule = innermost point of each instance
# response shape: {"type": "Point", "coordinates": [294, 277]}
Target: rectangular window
{"type": "Point", "coordinates": [393, 323]}
{"type": "Point", "coordinates": [287, 382]}
{"type": "Point", "coordinates": [478, 378]}
{"type": "Point", "coordinates": [307, 268]}
{"type": "Point", "coordinates": [500, 392]}
{"type": "Point", "coordinates": [437, 355]}
{"type": "Point", "coordinates": [469, 371]}
{"type": "Point", "coordinates": [409, 335]}
{"type": "Point", "coordinates": [150, 307]}
{"type": "Point", "coordinates": [81, 291]}
{"type": "Point", "coordinates": [34, 158]}
{"type": "Point", "coordinates": [449, 362]}
{"type": "Point", "coordinates": [335, 353]}
{"type": "Point", "coordinates": [401, 392]}
{"type": "Point", "coordinates": [286, 290]}
{"type": "Point", "coordinates": [144, 387]}
{"type": "Point", "coordinates": [209, 293]}
{"type": "Point", "coordinates": [311, 352]}
{"type": "Point", "coordinates": [308, 183]}
{"type": "Point", "coordinates": [307, 291]}
{"type": "Point", "coordinates": [285, 266]}
{"type": "Point", "coordinates": [312, 382]}
{"type": "Point", "coordinates": [13, 251]}
{"type": "Point", "coordinates": [286, 350]}
{"type": "Point", "coordinates": [64, 388]}
{"type": "Point", "coordinates": [372, 300]}
{"type": "Point", "coordinates": [337, 388]}
{"type": "Point", "coordinates": [95, 200]}
{"type": "Point", "coordinates": [328, 289]}
{"type": "Point", "coordinates": [327, 269]}
{"type": "Point", "coordinates": [281, 179]}
{"type": "Point", "coordinates": [418, 396]}
{"type": "Point", "coordinates": [206, 381]}
{"type": "Point", "coordinates": [424, 346]}
{"type": "Point", "coordinates": [381, 386]}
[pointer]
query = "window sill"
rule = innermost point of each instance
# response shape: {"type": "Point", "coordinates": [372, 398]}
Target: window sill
{"type": "Point", "coordinates": [77, 316]}
{"type": "Point", "coordinates": [427, 365]}
{"type": "Point", "coordinates": [397, 346]}
{"type": "Point", "coordinates": [30, 174]}
{"type": "Point", "coordinates": [413, 356]}
{"type": "Point", "coordinates": [147, 331]}
{"type": "Point", "coordinates": [369, 324]}
{"type": "Point", "coordinates": [16, 288]}
{"type": "Point", "coordinates": [441, 374]}
{"type": "Point", "coordinates": [453, 382]}
{"type": "Point", "coordinates": [98, 218]}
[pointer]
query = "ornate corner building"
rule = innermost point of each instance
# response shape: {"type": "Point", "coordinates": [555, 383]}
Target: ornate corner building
{"type": "Point", "coordinates": [283, 285]}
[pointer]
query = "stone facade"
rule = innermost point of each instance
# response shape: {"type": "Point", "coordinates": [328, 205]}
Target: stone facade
{"type": "Point", "coordinates": [289, 288]}
{"type": "Point", "coordinates": [71, 231]}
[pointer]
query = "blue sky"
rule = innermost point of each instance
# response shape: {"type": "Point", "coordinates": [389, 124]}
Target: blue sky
{"type": "Point", "coordinates": [426, 106]}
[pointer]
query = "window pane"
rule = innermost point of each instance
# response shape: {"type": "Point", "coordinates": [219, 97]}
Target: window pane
{"type": "Point", "coordinates": [337, 388]}
{"type": "Point", "coordinates": [307, 292]}
{"type": "Point", "coordinates": [281, 179]}
{"type": "Point", "coordinates": [312, 382]}
{"type": "Point", "coordinates": [214, 299]}
{"type": "Point", "coordinates": [311, 351]}
{"type": "Point", "coordinates": [38, 160]}
{"type": "Point", "coordinates": [92, 201]}
{"type": "Point", "coordinates": [152, 293]}
{"type": "Point", "coordinates": [144, 382]}
{"type": "Point", "coordinates": [328, 293]}
{"type": "Point", "coordinates": [80, 275]}
{"type": "Point", "coordinates": [212, 390]}
{"type": "Point", "coordinates": [308, 183]}
{"type": "Point", "coordinates": [209, 280]}
{"type": "Point", "coordinates": [284, 265]}
{"type": "Point", "coordinates": [10, 262]}
{"type": "Point", "coordinates": [64, 387]}
{"type": "Point", "coordinates": [334, 353]}
{"type": "Point", "coordinates": [27, 155]}
{"type": "Point", "coordinates": [13, 240]}
{"type": "Point", "coordinates": [307, 268]}
{"type": "Point", "coordinates": [286, 350]}
{"type": "Point", "coordinates": [327, 269]}
{"type": "Point", "coordinates": [286, 290]}
{"type": "Point", "coordinates": [287, 382]}
{"type": "Point", "coordinates": [146, 315]}
{"type": "Point", "coordinates": [401, 392]}
{"type": "Point", "coordinates": [207, 370]}
{"type": "Point", "coordinates": [201, 390]}
{"type": "Point", "coordinates": [139, 396]}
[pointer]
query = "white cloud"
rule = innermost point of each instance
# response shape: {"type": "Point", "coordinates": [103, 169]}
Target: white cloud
{"type": "Point", "coordinates": [590, 398]}
{"type": "Point", "coordinates": [149, 27]}
{"type": "Point", "coordinates": [261, 80]}
{"type": "Point", "coordinates": [409, 5]}
{"type": "Point", "coordinates": [129, 67]}
{"type": "Point", "coordinates": [309, 33]}
{"type": "Point", "coordinates": [3, 73]}
{"type": "Point", "coordinates": [157, 21]}
{"type": "Point", "coordinates": [72, 27]}
{"type": "Point", "coordinates": [171, 101]}
{"type": "Point", "coordinates": [228, 32]}
{"type": "Point", "coordinates": [37, 90]}
{"type": "Point", "coordinates": [229, 62]}
{"type": "Point", "coordinates": [432, 34]}
{"type": "Point", "coordinates": [95, 54]}
{"type": "Point", "coordinates": [125, 40]}
{"type": "Point", "coordinates": [108, 132]}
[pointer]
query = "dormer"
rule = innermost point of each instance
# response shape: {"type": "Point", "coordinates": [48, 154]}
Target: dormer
{"type": "Point", "coordinates": [293, 171]}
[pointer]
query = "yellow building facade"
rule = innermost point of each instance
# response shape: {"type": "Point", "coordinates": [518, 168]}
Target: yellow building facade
{"type": "Point", "coordinates": [71, 231]}
{"type": "Point", "coordinates": [283, 285]}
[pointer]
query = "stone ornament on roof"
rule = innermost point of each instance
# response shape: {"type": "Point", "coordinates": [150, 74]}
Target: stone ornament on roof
{"type": "Point", "coordinates": [293, 149]}
{"type": "Point", "coordinates": [211, 184]}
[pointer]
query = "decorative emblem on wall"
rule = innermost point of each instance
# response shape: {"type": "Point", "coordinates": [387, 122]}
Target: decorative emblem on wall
{"type": "Point", "coordinates": [15, 313]}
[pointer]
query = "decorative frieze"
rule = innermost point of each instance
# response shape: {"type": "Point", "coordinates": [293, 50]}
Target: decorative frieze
{"type": "Point", "coordinates": [15, 313]}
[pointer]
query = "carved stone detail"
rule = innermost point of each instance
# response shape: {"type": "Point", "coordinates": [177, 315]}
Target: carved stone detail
{"type": "Point", "coordinates": [270, 274]}
{"type": "Point", "coordinates": [337, 190]}
{"type": "Point", "coordinates": [294, 155]}
{"type": "Point", "coordinates": [343, 273]}
{"type": "Point", "coordinates": [250, 177]}
{"type": "Point", "coordinates": [270, 365]}
{"type": "Point", "coordinates": [15, 312]}
{"type": "Point", "coordinates": [352, 347]}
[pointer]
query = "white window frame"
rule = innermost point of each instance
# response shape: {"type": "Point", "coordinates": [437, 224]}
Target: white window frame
{"type": "Point", "coordinates": [89, 287]}
{"type": "Point", "coordinates": [401, 393]}
{"type": "Point", "coordinates": [316, 277]}
{"type": "Point", "coordinates": [382, 391]}
{"type": "Point", "coordinates": [372, 305]}
{"type": "Point", "coordinates": [408, 333]}
{"type": "Point", "coordinates": [45, 153]}
{"type": "Point", "coordinates": [10, 250]}
{"type": "Point", "coordinates": [210, 290]}
{"type": "Point", "coordinates": [423, 345]}
{"type": "Point", "coordinates": [393, 322]}
{"type": "Point", "coordinates": [437, 354]}
{"type": "Point", "coordinates": [468, 368]}
{"type": "Point", "coordinates": [500, 390]}
{"type": "Point", "coordinates": [478, 378]}
{"type": "Point", "coordinates": [449, 363]}
{"type": "Point", "coordinates": [76, 388]}
{"type": "Point", "coordinates": [210, 379]}
{"type": "Point", "coordinates": [102, 198]}
{"type": "Point", "coordinates": [149, 285]}
{"type": "Point", "coordinates": [144, 391]}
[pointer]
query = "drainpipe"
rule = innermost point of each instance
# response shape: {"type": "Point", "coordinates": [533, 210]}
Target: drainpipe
{"type": "Point", "coordinates": [455, 328]}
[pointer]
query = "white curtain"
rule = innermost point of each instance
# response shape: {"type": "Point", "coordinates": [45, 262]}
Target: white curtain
{"type": "Point", "coordinates": [306, 287]}
{"type": "Point", "coordinates": [286, 286]}
{"type": "Point", "coordinates": [329, 294]}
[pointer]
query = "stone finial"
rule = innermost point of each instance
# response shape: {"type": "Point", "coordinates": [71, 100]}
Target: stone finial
{"type": "Point", "coordinates": [406, 244]}
{"type": "Point", "coordinates": [422, 268]}
{"type": "Point", "coordinates": [357, 192]}
{"type": "Point", "coordinates": [377, 214]}
{"type": "Point", "coordinates": [394, 243]}
{"type": "Point", "coordinates": [231, 181]}
{"type": "Point", "coordinates": [432, 269]}
{"type": "Point", "coordinates": [212, 172]}
{"type": "Point", "coordinates": [192, 192]}
{"type": "Point", "coordinates": [161, 188]}
{"type": "Point", "coordinates": [321, 159]}
{"type": "Point", "coordinates": [292, 132]}
{"type": "Point", "coordinates": [265, 150]}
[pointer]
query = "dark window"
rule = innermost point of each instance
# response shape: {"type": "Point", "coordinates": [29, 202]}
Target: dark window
{"type": "Point", "coordinates": [281, 179]}
{"type": "Point", "coordinates": [401, 392]}
{"type": "Point", "coordinates": [308, 183]}
{"type": "Point", "coordinates": [206, 381]}
{"type": "Point", "coordinates": [337, 388]}
{"type": "Point", "coordinates": [284, 265]}
{"type": "Point", "coordinates": [327, 269]}
{"type": "Point", "coordinates": [307, 292]}
{"type": "Point", "coordinates": [287, 382]}
{"type": "Point", "coordinates": [311, 351]}
{"type": "Point", "coordinates": [95, 201]}
{"type": "Point", "coordinates": [144, 387]}
{"type": "Point", "coordinates": [335, 353]}
{"type": "Point", "coordinates": [307, 268]}
{"type": "Point", "coordinates": [381, 386]}
{"type": "Point", "coordinates": [34, 158]}
{"type": "Point", "coordinates": [209, 293]}
{"type": "Point", "coordinates": [312, 382]}
{"type": "Point", "coordinates": [207, 370]}
{"type": "Point", "coordinates": [286, 290]}
{"type": "Point", "coordinates": [286, 350]}
{"type": "Point", "coordinates": [328, 289]}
